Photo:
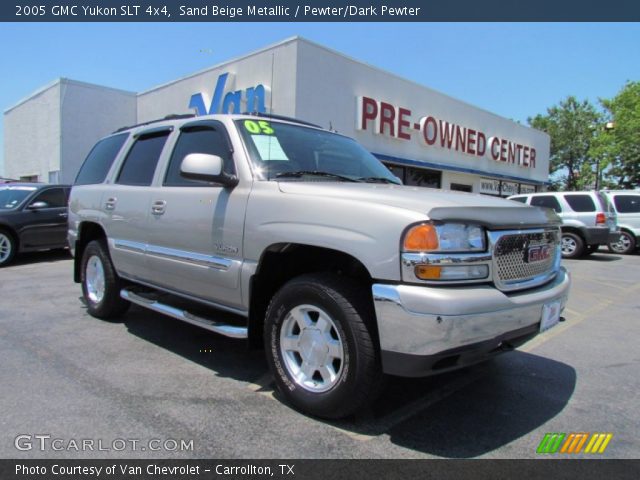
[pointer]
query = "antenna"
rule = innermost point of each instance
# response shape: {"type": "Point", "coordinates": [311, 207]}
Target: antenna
{"type": "Point", "coordinates": [271, 96]}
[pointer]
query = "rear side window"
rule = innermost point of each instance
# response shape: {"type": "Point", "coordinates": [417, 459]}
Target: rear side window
{"type": "Point", "coordinates": [197, 140]}
{"type": "Point", "coordinates": [519, 199]}
{"type": "Point", "coordinates": [547, 201]}
{"type": "Point", "coordinates": [141, 161]}
{"type": "Point", "coordinates": [627, 203]}
{"type": "Point", "coordinates": [580, 203]}
{"type": "Point", "coordinates": [99, 161]}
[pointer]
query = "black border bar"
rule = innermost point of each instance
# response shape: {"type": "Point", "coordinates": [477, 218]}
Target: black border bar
{"type": "Point", "coordinates": [292, 469]}
{"type": "Point", "coordinates": [320, 11]}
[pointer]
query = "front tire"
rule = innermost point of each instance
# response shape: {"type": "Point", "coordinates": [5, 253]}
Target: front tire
{"type": "Point", "coordinates": [100, 283]}
{"type": "Point", "coordinates": [320, 345]}
{"type": "Point", "coordinates": [8, 247]}
{"type": "Point", "coordinates": [572, 245]}
{"type": "Point", "coordinates": [625, 245]}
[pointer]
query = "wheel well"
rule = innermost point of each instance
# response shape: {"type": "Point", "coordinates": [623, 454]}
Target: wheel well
{"type": "Point", "coordinates": [87, 232]}
{"type": "Point", "coordinates": [282, 262]}
{"type": "Point", "coordinates": [9, 231]}
{"type": "Point", "coordinates": [573, 230]}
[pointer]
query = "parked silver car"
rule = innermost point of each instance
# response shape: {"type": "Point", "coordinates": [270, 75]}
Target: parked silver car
{"type": "Point", "coordinates": [626, 204]}
{"type": "Point", "coordinates": [588, 220]}
{"type": "Point", "coordinates": [323, 256]}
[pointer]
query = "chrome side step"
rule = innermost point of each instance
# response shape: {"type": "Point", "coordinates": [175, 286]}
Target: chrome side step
{"type": "Point", "coordinates": [206, 323]}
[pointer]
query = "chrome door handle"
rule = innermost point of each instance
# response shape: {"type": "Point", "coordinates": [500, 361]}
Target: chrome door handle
{"type": "Point", "coordinates": [110, 204]}
{"type": "Point", "coordinates": [158, 207]}
{"type": "Point", "coordinates": [62, 215]}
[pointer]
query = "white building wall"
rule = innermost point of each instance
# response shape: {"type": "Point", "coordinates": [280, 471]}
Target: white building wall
{"type": "Point", "coordinates": [90, 112]}
{"type": "Point", "coordinates": [330, 83]}
{"type": "Point", "coordinates": [32, 135]}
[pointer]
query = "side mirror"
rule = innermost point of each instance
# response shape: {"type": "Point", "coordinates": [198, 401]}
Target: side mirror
{"type": "Point", "coordinates": [202, 166]}
{"type": "Point", "coordinates": [38, 206]}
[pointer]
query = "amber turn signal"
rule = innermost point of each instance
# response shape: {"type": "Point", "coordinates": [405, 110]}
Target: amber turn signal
{"type": "Point", "coordinates": [421, 238]}
{"type": "Point", "coordinates": [428, 272]}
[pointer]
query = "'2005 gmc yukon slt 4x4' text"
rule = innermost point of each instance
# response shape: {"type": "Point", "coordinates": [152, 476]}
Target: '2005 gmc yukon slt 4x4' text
{"type": "Point", "coordinates": [339, 271]}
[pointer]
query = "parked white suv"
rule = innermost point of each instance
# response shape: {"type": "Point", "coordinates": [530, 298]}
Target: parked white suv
{"type": "Point", "coordinates": [588, 220]}
{"type": "Point", "coordinates": [626, 204]}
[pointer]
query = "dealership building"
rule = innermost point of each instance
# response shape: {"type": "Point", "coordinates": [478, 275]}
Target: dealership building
{"type": "Point", "coordinates": [425, 137]}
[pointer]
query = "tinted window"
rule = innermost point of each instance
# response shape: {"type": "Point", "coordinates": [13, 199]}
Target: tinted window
{"type": "Point", "coordinates": [141, 161]}
{"type": "Point", "coordinates": [11, 197]}
{"type": "Point", "coordinates": [98, 162]}
{"type": "Point", "coordinates": [547, 201]}
{"type": "Point", "coordinates": [519, 199]}
{"type": "Point", "coordinates": [197, 140]}
{"type": "Point", "coordinates": [580, 203]}
{"type": "Point", "coordinates": [54, 198]}
{"type": "Point", "coordinates": [627, 203]}
{"type": "Point", "coordinates": [423, 178]}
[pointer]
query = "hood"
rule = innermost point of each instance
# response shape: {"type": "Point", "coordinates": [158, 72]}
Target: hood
{"type": "Point", "coordinates": [437, 204]}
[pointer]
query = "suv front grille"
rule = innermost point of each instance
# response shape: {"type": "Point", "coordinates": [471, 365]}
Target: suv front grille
{"type": "Point", "coordinates": [524, 259]}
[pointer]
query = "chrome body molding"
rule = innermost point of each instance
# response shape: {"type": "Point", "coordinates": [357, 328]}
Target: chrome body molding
{"type": "Point", "coordinates": [425, 320]}
{"type": "Point", "coordinates": [220, 263]}
{"type": "Point", "coordinates": [227, 330]}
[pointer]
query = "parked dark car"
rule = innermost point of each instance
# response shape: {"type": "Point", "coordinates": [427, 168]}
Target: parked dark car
{"type": "Point", "coordinates": [33, 216]}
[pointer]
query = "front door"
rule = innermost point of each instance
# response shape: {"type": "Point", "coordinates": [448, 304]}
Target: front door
{"type": "Point", "coordinates": [195, 229]}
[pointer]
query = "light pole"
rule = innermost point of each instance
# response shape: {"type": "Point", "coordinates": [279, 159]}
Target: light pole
{"type": "Point", "coordinates": [607, 128]}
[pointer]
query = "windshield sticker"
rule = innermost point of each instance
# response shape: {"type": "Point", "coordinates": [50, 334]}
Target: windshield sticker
{"type": "Point", "coordinates": [269, 147]}
{"type": "Point", "coordinates": [260, 127]}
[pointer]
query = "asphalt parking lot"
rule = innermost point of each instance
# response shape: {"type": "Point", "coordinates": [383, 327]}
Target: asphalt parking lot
{"type": "Point", "coordinates": [71, 377]}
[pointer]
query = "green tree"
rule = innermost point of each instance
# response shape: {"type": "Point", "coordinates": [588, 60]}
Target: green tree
{"type": "Point", "coordinates": [573, 127]}
{"type": "Point", "coordinates": [618, 145]}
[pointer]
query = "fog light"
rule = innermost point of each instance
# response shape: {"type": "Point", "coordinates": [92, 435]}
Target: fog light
{"type": "Point", "coordinates": [456, 272]}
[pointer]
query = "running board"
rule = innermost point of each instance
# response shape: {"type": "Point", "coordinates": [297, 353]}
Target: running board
{"type": "Point", "coordinates": [206, 323]}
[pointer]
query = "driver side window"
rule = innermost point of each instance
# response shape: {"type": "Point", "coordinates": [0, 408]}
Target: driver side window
{"type": "Point", "coordinates": [53, 197]}
{"type": "Point", "coordinates": [197, 140]}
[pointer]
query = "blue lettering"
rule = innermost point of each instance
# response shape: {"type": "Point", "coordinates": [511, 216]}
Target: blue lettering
{"type": "Point", "coordinates": [231, 102]}
{"type": "Point", "coordinates": [232, 98]}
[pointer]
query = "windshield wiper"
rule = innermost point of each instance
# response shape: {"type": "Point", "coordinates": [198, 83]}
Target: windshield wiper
{"type": "Point", "coordinates": [377, 180]}
{"type": "Point", "coordinates": [315, 173]}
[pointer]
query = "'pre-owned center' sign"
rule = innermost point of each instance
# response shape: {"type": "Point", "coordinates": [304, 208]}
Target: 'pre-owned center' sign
{"type": "Point", "coordinates": [386, 119]}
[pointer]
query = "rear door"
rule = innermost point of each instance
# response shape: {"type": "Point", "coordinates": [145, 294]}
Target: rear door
{"type": "Point", "coordinates": [127, 204]}
{"type": "Point", "coordinates": [196, 228]}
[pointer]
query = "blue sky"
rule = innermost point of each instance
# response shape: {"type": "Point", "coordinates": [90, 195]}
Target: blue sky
{"type": "Point", "coordinates": [513, 69]}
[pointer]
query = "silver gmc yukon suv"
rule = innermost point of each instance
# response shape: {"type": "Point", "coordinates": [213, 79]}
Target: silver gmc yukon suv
{"type": "Point", "coordinates": [298, 239]}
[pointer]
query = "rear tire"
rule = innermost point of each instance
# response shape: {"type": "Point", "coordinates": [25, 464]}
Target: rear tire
{"type": "Point", "coordinates": [321, 346]}
{"type": "Point", "coordinates": [8, 247]}
{"type": "Point", "coordinates": [572, 245]}
{"type": "Point", "coordinates": [625, 245]}
{"type": "Point", "coordinates": [100, 283]}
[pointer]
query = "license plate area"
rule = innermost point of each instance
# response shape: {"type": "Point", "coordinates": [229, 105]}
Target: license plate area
{"type": "Point", "coordinates": [550, 315]}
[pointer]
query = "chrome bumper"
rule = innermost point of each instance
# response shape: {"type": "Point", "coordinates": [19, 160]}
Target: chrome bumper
{"type": "Point", "coordinates": [427, 321]}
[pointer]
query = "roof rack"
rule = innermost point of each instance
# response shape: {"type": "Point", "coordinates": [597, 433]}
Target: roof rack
{"type": "Point", "coordinates": [173, 116]}
{"type": "Point", "coordinates": [282, 117]}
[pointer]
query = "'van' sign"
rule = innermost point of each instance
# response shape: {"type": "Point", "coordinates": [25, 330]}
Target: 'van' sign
{"type": "Point", "coordinates": [251, 100]}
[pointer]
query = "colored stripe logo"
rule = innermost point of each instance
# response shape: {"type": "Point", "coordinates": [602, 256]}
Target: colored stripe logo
{"type": "Point", "coordinates": [573, 443]}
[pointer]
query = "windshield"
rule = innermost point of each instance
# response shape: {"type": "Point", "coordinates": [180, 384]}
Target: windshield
{"type": "Point", "coordinates": [291, 152]}
{"type": "Point", "coordinates": [11, 197]}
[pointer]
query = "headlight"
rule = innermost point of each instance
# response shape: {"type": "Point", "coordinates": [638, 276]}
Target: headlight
{"type": "Point", "coordinates": [446, 237]}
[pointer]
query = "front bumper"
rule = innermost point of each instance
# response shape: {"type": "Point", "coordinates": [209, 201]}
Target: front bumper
{"type": "Point", "coordinates": [424, 329]}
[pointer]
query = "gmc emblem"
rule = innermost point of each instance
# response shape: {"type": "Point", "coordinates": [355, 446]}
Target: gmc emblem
{"type": "Point", "coordinates": [538, 253]}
